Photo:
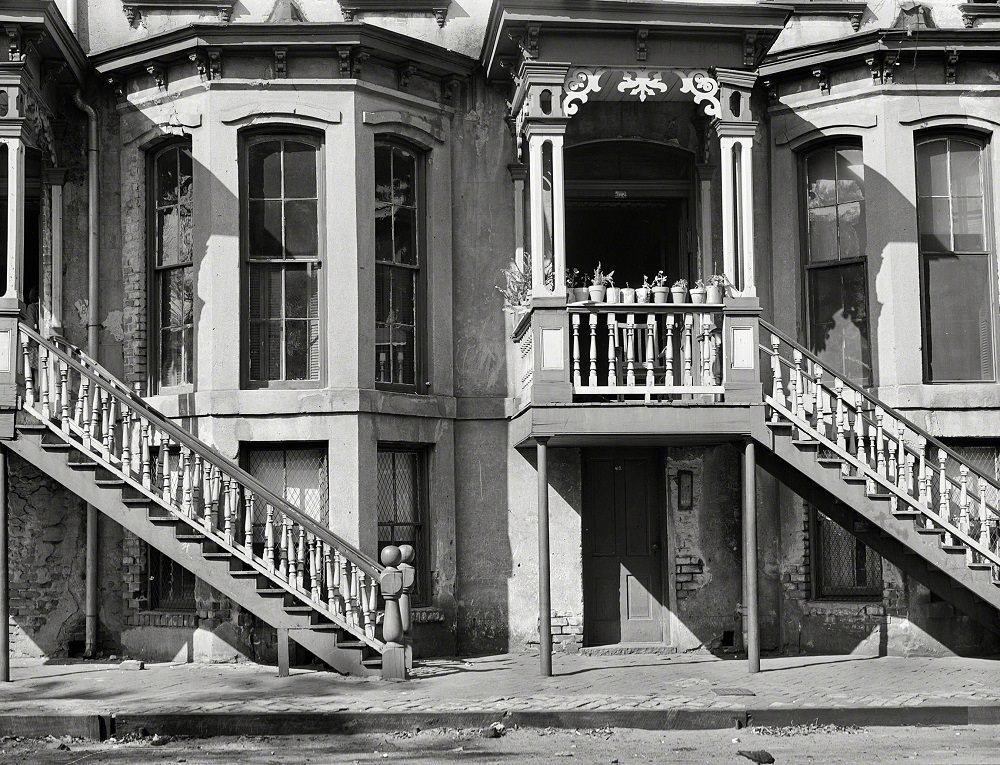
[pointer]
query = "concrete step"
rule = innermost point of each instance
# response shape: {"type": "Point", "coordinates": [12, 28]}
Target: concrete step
{"type": "Point", "coordinates": [52, 443]}
{"type": "Point", "coordinates": [80, 461]}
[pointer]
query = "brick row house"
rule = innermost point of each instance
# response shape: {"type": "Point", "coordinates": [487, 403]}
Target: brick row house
{"type": "Point", "coordinates": [262, 399]}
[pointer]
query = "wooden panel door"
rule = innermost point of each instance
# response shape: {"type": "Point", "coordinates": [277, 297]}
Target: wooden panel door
{"type": "Point", "coordinates": [622, 548]}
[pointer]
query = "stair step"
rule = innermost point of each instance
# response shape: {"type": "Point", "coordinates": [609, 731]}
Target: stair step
{"type": "Point", "coordinates": [31, 425]}
{"type": "Point", "coordinates": [906, 513]}
{"type": "Point", "coordinates": [980, 566]}
{"type": "Point", "coordinates": [805, 442]}
{"type": "Point", "coordinates": [327, 627]}
{"type": "Point", "coordinates": [954, 548]}
{"type": "Point", "coordinates": [242, 573]}
{"type": "Point", "coordinates": [373, 662]}
{"type": "Point", "coordinates": [830, 460]}
{"type": "Point", "coordinates": [348, 643]}
{"type": "Point", "coordinates": [52, 443]}
{"type": "Point", "coordinates": [161, 517]}
{"type": "Point", "coordinates": [300, 609]}
{"type": "Point", "coordinates": [216, 555]}
{"type": "Point", "coordinates": [924, 530]}
{"type": "Point", "coordinates": [854, 479]}
{"type": "Point", "coordinates": [780, 424]}
{"type": "Point", "coordinates": [187, 534]}
{"type": "Point", "coordinates": [272, 592]}
{"type": "Point", "coordinates": [107, 478]}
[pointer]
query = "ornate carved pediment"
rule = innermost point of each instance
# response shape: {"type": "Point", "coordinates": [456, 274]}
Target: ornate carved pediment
{"type": "Point", "coordinates": [582, 84]}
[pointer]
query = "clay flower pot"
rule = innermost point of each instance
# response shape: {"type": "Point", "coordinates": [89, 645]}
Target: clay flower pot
{"type": "Point", "coordinates": [597, 292]}
{"type": "Point", "coordinates": [698, 294]}
{"type": "Point", "coordinates": [628, 295]}
{"type": "Point", "coordinates": [580, 294]}
{"type": "Point", "coordinates": [613, 296]}
{"type": "Point", "coordinates": [679, 295]}
{"type": "Point", "coordinates": [641, 294]}
{"type": "Point", "coordinates": [660, 294]}
{"type": "Point", "coordinates": [713, 294]}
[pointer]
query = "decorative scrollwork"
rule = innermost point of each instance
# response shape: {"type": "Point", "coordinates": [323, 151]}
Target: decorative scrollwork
{"type": "Point", "coordinates": [703, 87]}
{"type": "Point", "coordinates": [642, 83]}
{"type": "Point", "coordinates": [579, 85]}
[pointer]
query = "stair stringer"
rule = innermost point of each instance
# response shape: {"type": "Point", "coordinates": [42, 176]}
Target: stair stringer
{"type": "Point", "coordinates": [242, 590]}
{"type": "Point", "coordinates": [782, 452]}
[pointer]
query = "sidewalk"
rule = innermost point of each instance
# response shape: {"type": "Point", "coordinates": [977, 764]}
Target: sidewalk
{"type": "Point", "coordinates": [648, 690]}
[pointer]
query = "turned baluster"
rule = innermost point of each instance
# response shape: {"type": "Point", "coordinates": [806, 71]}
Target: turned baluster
{"type": "Point", "coordinates": [300, 551]}
{"type": "Point", "coordinates": [576, 351]}
{"type": "Point", "coordinates": [64, 396]}
{"type": "Point", "coordinates": [342, 583]}
{"type": "Point", "coordinates": [963, 502]}
{"type": "Point", "coordinates": [984, 515]}
{"type": "Point", "coordinates": [185, 480]}
{"type": "Point", "coordinates": [924, 480]}
{"type": "Point", "coordinates": [900, 454]}
{"type": "Point", "coordinates": [592, 371]}
{"type": "Point", "coordinates": [145, 468]}
{"type": "Point", "coordinates": [612, 350]}
{"type": "Point", "coordinates": [630, 350]}
{"type": "Point", "coordinates": [106, 420]}
{"type": "Point", "coordinates": [910, 459]}
{"type": "Point", "coordinates": [328, 571]}
{"type": "Point", "coordinates": [44, 381]}
{"type": "Point", "coordinates": [363, 605]}
{"type": "Point", "coordinates": [227, 506]}
{"type": "Point", "coordinates": [166, 474]}
{"type": "Point", "coordinates": [269, 536]}
{"type": "Point", "coordinates": [687, 349]}
{"type": "Point", "coordinates": [705, 347]}
{"type": "Point", "coordinates": [944, 489]}
{"type": "Point", "coordinates": [94, 410]}
{"type": "Point", "coordinates": [824, 415]}
{"type": "Point", "coordinates": [372, 606]}
{"type": "Point", "coordinates": [650, 349]}
{"type": "Point", "coordinates": [841, 421]}
{"type": "Point", "coordinates": [314, 583]}
{"type": "Point", "coordinates": [354, 598]}
{"type": "Point", "coordinates": [207, 495]}
{"type": "Point", "coordinates": [83, 405]}
{"type": "Point", "coordinates": [798, 402]}
{"type": "Point", "coordinates": [197, 490]}
{"type": "Point", "coordinates": [248, 521]}
{"type": "Point", "coordinates": [283, 541]}
{"type": "Point", "coordinates": [127, 440]}
{"type": "Point", "coordinates": [668, 351]}
{"type": "Point", "coordinates": [29, 375]}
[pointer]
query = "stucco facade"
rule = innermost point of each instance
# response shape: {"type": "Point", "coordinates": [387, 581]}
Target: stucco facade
{"type": "Point", "coordinates": [458, 92]}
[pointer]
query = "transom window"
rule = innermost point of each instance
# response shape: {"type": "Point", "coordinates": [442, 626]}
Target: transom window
{"type": "Point", "coordinates": [836, 280]}
{"type": "Point", "coordinates": [171, 248]}
{"type": "Point", "coordinates": [956, 257]}
{"type": "Point", "coordinates": [283, 257]}
{"type": "Point", "coordinates": [398, 230]}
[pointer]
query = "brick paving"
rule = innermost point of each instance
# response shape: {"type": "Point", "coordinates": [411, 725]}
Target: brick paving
{"type": "Point", "coordinates": [508, 683]}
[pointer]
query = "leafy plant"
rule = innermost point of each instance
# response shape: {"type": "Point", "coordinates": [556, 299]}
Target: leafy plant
{"type": "Point", "coordinates": [699, 284]}
{"type": "Point", "coordinates": [718, 280]}
{"type": "Point", "coordinates": [573, 278]}
{"type": "Point", "coordinates": [516, 287]}
{"type": "Point", "coordinates": [660, 280]}
{"type": "Point", "coordinates": [680, 284]}
{"type": "Point", "coordinates": [601, 279]}
{"type": "Point", "coordinates": [645, 283]}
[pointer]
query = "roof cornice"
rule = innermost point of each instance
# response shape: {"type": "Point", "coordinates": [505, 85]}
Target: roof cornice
{"type": "Point", "coordinates": [46, 13]}
{"type": "Point", "coordinates": [313, 37]}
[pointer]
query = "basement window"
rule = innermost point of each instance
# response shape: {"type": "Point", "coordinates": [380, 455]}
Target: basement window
{"type": "Point", "coordinates": [169, 586]}
{"type": "Point", "coordinates": [846, 568]}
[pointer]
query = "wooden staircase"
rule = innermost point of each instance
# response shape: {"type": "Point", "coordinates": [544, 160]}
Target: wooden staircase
{"type": "Point", "coordinates": [87, 430]}
{"type": "Point", "coordinates": [858, 459]}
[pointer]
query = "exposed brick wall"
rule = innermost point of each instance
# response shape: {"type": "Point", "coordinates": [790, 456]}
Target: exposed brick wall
{"type": "Point", "coordinates": [690, 570]}
{"type": "Point", "coordinates": [796, 575]}
{"type": "Point", "coordinates": [567, 632]}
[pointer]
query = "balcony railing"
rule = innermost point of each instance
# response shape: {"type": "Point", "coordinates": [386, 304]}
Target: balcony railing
{"type": "Point", "coordinates": [592, 352]}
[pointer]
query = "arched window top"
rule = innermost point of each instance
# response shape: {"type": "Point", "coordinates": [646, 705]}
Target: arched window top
{"type": "Point", "coordinates": [835, 201]}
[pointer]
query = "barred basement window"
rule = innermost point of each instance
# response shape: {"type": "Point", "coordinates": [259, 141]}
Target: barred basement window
{"type": "Point", "coordinates": [169, 586]}
{"type": "Point", "coordinates": [283, 254]}
{"type": "Point", "coordinates": [298, 473]}
{"type": "Point", "coordinates": [847, 568]}
{"type": "Point", "coordinates": [402, 487]}
{"type": "Point", "coordinates": [170, 247]}
{"type": "Point", "coordinates": [398, 281]}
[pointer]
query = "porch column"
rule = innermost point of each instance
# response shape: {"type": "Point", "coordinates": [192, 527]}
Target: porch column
{"type": "Point", "coordinates": [544, 592]}
{"type": "Point", "coordinates": [706, 265]}
{"type": "Point", "coordinates": [14, 272]}
{"type": "Point", "coordinates": [518, 173]}
{"type": "Point", "coordinates": [547, 197]}
{"type": "Point", "coordinates": [750, 555]}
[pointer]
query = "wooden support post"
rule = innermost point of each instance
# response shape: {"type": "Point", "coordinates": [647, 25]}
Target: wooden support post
{"type": "Point", "coordinates": [750, 555]}
{"type": "Point", "coordinates": [283, 652]}
{"type": "Point", "coordinates": [544, 592]}
{"type": "Point", "coordinates": [91, 594]}
{"type": "Point", "coordinates": [4, 580]}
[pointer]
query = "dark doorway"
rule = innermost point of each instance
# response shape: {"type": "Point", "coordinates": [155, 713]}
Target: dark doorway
{"type": "Point", "coordinates": [623, 548]}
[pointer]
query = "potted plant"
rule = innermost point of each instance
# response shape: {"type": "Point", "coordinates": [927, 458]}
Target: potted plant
{"type": "Point", "coordinates": [627, 294]}
{"type": "Point", "coordinates": [660, 288]}
{"type": "Point", "coordinates": [715, 291]}
{"type": "Point", "coordinates": [575, 286]}
{"type": "Point", "coordinates": [698, 292]}
{"type": "Point", "coordinates": [614, 293]}
{"type": "Point", "coordinates": [599, 284]}
{"type": "Point", "coordinates": [642, 293]}
{"type": "Point", "coordinates": [679, 291]}
{"type": "Point", "coordinates": [516, 287]}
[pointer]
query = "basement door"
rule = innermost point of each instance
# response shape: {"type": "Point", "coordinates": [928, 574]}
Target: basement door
{"type": "Point", "coordinates": [622, 548]}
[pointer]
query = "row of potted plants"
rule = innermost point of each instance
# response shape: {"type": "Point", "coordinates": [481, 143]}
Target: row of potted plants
{"type": "Point", "coordinates": [602, 289]}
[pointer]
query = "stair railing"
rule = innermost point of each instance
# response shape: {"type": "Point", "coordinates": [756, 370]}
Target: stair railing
{"type": "Point", "coordinates": [88, 407]}
{"type": "Point", "coordinates": [896, 456]}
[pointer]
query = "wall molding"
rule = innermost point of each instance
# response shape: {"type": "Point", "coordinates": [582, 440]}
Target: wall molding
{"type": "Point", "coordinates": [350, 8]}
{"type": "Point", "coordinates": [404, 120]}
{"type": "Point", "coordinates": [134, 11]}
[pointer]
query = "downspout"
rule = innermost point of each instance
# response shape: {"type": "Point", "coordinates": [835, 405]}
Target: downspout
{"type": "Point", "coordinates": [90, 607]}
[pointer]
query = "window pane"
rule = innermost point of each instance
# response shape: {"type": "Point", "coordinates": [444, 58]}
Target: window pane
{"type": "Point", "coordinates": [174, 356]}
{"type": "Point", "coordinates": [166, 177]}
{"type": "Point", "coordinates": [967, 215]}
{"type": "Point", "coordinates": [300, 170]}
{"type": "Point", "coordinates": [403, 351]}
{"type": "Point", "coordinates": [299, 292]}
{"type": "Point", "coordinates": [838, 320]}
{"type": "Point", "coordinates": [821, 178]}
{"type": "Point", "coordinates": [966, 174]}
{"type": "Point", "coordinates": [849, 569]}
{"type": "Point", "coordinates": [823, 234]}
{"type": "Point", "coordinates": [383, 279]}
{"type": "Point", "coordinates": [383, 174]}
{"type": "Point", "coordinates": [265, 230]}
{"type": "Point", "coordinates": [850, 175]}
{"type": "Point", "coordinates": [959, 336]}
{"type": "Point", "coordinates": [405, 235]}
{"type": "Point", "coordinates": [932, 168]}
{"type": "Point", "coordinates": [176, 292]}
{"type": "Point", "coordinates": [167, 243]}
{"type": "Point", "coordinates": [404, 172]}
{"type": "Point", "coordinates": [403, 298]}
{"type": "Point", "coordinates": [301, 233]}
{"type": "Point", "coordinates": [264, 166]}
{"type": "Point", "coordinates": [383, 232]}
{"type": "Point", "coordinates": [934, 221]}
{"type": "Point", "coordinates": [265, 292]}
{"type": "Point", "coordinates": [852, 229]}
{"type": "Point", "coordinates": [299, 474]}
{"type": "Point", "coordinates": [185, 244]}
{"type": "Point", "coordinates": [296, 350]}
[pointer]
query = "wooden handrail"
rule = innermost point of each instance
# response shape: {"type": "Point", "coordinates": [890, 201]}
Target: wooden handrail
{"type": "Point", "coordinates": [931, 440]}
{"type": "Point", "coordinates": [211, 455]}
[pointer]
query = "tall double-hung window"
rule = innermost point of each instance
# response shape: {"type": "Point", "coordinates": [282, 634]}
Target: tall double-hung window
{"type": "Point", "coordinates": [171, 249]}
{"type": "Point", "coordinates": [398, 263]}
{"type": "Point", "coordinates": [835, 247]}
{"type": "Point", "coordinates": [956, 256]}
{"type": "Point", "coordinates": [282, 257]}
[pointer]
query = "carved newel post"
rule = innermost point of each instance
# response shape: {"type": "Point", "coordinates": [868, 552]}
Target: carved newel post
{"type": "Point", "coordinates": [391, 584]}
{"type": "Point", "coordinates": [409, 576]}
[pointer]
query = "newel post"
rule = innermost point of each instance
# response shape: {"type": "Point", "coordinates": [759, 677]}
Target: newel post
{"type": "Point", "coordinates": [409, 577]}
{"type": "Point", "coordinates": [391, 584]}
{"type": "Point", "coordinates": [741, 376]}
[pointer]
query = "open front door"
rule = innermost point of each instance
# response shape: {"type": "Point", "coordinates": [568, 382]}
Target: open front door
{"type": "Point", "coordinates": [622, 548]}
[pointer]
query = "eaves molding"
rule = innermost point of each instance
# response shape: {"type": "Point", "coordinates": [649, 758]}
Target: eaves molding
{"type": "Point", "coordinates": [351, 8]}
{"type": "Point", "coordinates": [221, 9]}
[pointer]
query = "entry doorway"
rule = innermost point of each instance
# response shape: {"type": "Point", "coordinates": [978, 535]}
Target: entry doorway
{"type": "Point", "coordinates": [624, 548]}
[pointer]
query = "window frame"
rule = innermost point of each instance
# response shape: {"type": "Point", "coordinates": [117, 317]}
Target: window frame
{"type": "Point", "coordinates": [833, 143]}
{"type": "Point", "coordinates": [246, 140]}
{"type": "Point", "coordinates": [154, 383]}
{"type": "Point", "coordinates": [422, 551]}
{"type": "Point", "coordinates": [989, 241]}
{"type": "Point", "coordinates": [816, 552]}
{"type": "Point", "coordinates": [421, 334]}
{"type": "Point", "coordinates": [153, 604]}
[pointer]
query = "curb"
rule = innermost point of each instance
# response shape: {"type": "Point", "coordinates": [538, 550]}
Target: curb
{"type": "Point", "coordinates": [206, 725]}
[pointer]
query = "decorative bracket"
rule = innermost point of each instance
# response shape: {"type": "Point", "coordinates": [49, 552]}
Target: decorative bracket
{"type": "Point", "coordinates": [951, 66]}
{"type": "Point", "coordinates": [359, 61]}
{"type": "Point", "coordinates": [214, 64]}
{"type": "Point", "coordinates": [351, 8]}
{"type": "Point", "coordinates": [135, 10]}
{"type": "Point", "coordinates": [450, 89]}
{"type": "Point", "coordinates": [643, 84]}
{"type": "Point", "coordinates": [117, 87]}
{"type": "Point", "coordinates": [405, 73]}
{"type": "Point", "coordinates": [855, 19]}
{"type": "Point", "coordinates": [822, 80]}
{"type": "Point", "coordinates": [749, 48]}
{"type": "Point", "coordinates": [15, 49]}
{"type": "Point", "coordinates": [344, 54]}
{"type": "Point", "coordinates": [200, 64]}
{"type": "Point", "coordinates": [641, 43]}
{"type": "Point", "coordinates": [159, 75]}
{"type": "Point", "coordinates": [882, 67]}
{"type": "Point", "coordinates": [280, 63]}
{"type": "Point", "coordinates": [771, 88]}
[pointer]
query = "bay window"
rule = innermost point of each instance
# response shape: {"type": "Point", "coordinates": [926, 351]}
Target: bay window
{"type": "Point", "coordinates": [956, 256]}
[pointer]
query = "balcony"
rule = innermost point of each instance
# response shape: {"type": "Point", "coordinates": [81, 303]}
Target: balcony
{"type": "Point", "coordinates": [592, 370]}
